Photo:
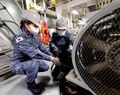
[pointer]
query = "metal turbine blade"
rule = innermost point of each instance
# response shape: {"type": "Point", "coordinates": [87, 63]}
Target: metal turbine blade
{"type": "Point", "coordinates": [96, 67]}
{"type": "Point", "coordinates": [96, 44]}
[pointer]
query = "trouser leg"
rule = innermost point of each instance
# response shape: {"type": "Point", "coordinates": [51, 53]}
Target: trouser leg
{"type": "Point", "coordinates": [31, 69]}
{"type": "Point", "coordinates": [43, 65]}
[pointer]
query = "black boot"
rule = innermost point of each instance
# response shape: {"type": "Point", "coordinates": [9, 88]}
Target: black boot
{"type": "Point", "coordinates": [34, 88]}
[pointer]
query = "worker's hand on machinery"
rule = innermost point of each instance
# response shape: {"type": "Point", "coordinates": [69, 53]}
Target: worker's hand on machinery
{"type": "Point", "coordinates": [55, 49]}
{"type": "Point", "coordinates": [55, 60]}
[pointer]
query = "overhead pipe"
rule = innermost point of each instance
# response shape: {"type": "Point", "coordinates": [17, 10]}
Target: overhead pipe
{"type": "Point", "coordinates": [44, 6]}
{"type": "Point", "coordinates": [48, 11]}
{"type": "Point", "coordinates": [51, 13]}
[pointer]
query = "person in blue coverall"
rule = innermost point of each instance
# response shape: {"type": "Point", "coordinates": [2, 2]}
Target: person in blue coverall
{"type": "Point", "coordinates": [29, 55]}
{"type": "Point", "coordinates": [61, 46]}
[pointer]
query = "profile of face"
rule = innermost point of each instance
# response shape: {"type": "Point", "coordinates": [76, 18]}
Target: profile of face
{"type": "Point", "coordinates": [32, 28]}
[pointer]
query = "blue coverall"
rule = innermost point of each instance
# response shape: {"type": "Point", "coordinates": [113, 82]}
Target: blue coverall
{"type": "Point", "coordinates": [29, 56]}
{"type": "Point", "coordinates": [61, 42]}
{"type": "Point", "coordinates": [59, 46]}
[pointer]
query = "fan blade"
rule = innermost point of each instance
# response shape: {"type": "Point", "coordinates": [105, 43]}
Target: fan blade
{"type": "Point", "coordinates": [97, 44]}
{"type": "Point", "coordinates": [96, 67]}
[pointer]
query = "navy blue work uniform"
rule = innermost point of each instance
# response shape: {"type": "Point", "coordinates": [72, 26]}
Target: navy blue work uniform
{"type": "Point", "coordinates": [60, 47]}
{"type": "Point", "coordinates": [61, 42]}
{"type": "Point", "coordinates": [29, 56]}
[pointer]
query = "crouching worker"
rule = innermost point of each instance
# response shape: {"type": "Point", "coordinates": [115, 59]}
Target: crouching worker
{"type": "Point", "coordinates": [61, 47]}
{"type": "Point", "coordinates": [29, 55]}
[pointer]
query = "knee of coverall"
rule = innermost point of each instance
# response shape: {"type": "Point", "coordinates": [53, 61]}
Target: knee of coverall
{"type": "Point", "coordinates": [43, 65]}
{"type": "Point", "coordinates": [31, 66]}
{"type": "Point", "coordinates": [16, 68]}
{"type": "Point", "coordinates": [31, 69]}
{"type": "Point", "coordinates": [46, 67]}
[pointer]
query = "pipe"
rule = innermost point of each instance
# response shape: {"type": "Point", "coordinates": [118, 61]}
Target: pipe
{"type": "Point", "coordinates": [51, 13]}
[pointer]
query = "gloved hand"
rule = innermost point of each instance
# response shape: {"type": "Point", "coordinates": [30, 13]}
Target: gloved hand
{"type": "Point", "coordinates": [55, 60]}
{"type": "Point", "coordinates": [55, 49]}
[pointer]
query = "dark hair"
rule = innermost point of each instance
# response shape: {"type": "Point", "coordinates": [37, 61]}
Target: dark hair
{"type": "Point", "coordinates": [22, 23]}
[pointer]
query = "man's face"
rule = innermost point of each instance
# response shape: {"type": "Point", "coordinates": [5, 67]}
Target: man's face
{"type": "Point", "coordinates": [32, 28]}
{"type": "Point", "coordinates": [61, 32]}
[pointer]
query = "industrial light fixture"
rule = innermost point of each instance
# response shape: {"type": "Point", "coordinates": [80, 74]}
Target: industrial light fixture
{"type": "Point", "coordinates": [75, 12]}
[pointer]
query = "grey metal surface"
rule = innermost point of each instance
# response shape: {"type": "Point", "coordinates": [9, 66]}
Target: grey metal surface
{"type": "Point", "coordinates": [10, 16]}
{"type": "Point", "coordinates": [12, 12]}
{"type": "Point", "coordinates": [13, 9]}
{"type": "Point", "coordinates": [71, 76]}
{"type": "Point", "coordinates": [108, 81]}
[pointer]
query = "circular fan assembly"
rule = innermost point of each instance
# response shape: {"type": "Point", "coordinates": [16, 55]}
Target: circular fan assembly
{"type": "Point", "coordinates": [96, 52]}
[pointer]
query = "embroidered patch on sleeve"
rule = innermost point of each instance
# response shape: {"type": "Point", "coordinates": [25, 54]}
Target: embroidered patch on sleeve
{"type": "Point", "coordinates": [19, 39]}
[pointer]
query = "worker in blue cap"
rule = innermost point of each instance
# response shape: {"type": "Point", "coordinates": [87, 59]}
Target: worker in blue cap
{"type": "Point", "coordinates": [29, 55]}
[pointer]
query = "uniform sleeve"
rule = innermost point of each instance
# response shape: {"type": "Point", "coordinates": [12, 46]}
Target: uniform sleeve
{"type": "Point", "coordinates": [25, 47]}
{"type": "Point", "coordinates": [43, 56]}
{"type": "Point", "coordinates": [43, 48]}
{"type": "Point", "coordinates": [51, 44]}
{"type": "Point", "coordinates": [71, 38]}
{"type": "Point", "coordinates": [22, 45]}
